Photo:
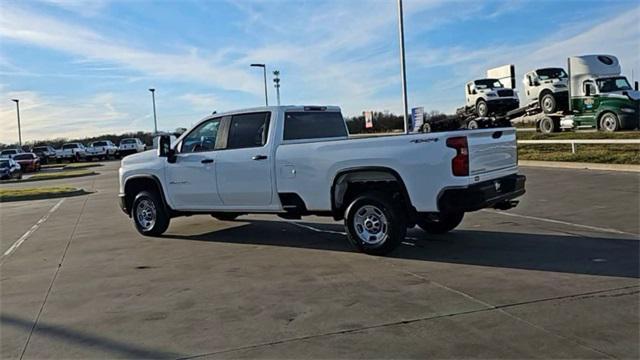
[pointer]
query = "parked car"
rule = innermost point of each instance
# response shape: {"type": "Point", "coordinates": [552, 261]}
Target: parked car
{"type": "Point", "coordinates": [46, 153]}
{"type": "Point", "coordinates": [102, 150]}
{"type": "Point", "coordinates": [9, 169]}
{"type": "Point", "coordinates": [71, 152]}
{"type": "Point", "coordinates": [298, 160]}
{"type": "Point", "coordinates": [29, 162]}
{"type": "Point", "coordinates": [131, 146]}
{"type": "Point", "coordinates": [9, 153]}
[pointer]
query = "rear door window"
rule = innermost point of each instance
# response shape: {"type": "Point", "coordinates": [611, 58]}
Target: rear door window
{"type": "Point", "coordinates": [248, 130]}
{"type": "Point", "coordinates": [313, 125]}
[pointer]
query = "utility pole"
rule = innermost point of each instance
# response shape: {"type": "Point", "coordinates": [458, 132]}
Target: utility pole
{"type": "Point", "coordinates": [264, 73]}
{"type": "Point", "coordinates": [155, 120]}
{"type": "Point", "coordinates": [18, 112]}
{"type": "Point", "coordinates": [276, 84]}
{"type": "Point", "coordinates": [402, 68]}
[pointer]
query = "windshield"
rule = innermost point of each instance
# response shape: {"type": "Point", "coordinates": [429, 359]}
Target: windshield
{"type": "Point", "coordinates": [613, 84]}
{"type": "Point", "coordinates": [69, 146]}
{"type": "Point", "coordinates": [4, 164]}
{"type": "Point", "coordinates": [488, 84]}
{"type": "Point", "coordinates": [551, 73]}
{"type": "Point", "coordinates": [8, 152]}
{"type": "Point", "coordinates": [40, 149]}
{"type": "Point", "coordinates": [99, 143]}
{"type": "Point", "coordinates": [23, 157]}
{"type": "Point", "coordinates": [128, 141]}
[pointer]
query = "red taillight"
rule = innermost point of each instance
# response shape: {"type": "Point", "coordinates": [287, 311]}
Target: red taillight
{"type": "Point", "coordinates": [460, 163]}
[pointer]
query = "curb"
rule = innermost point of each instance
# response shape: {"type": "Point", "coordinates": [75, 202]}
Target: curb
{"type": "Point", "coordinates": [54, 178]}
{"type": "Point", "coordinates": [76, 192]}
{"type": "Point", "coordinates": [580, 165]}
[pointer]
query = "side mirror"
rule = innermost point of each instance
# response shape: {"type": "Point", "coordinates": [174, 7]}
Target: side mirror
{"type": "Point", "coordinates": [536, 83]}
{"type": "Point", "coordinates": [164, 148]}
{"type": "Point", "coordinates": [636, 86]}
{"type": "Point", "coordinates": [587, 90]}
{"type": "Point", "coordinates": [474, 92]}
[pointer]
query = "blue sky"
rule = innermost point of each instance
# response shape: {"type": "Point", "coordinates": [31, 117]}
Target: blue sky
{"type": "Point", "coordinates": [83, 67]}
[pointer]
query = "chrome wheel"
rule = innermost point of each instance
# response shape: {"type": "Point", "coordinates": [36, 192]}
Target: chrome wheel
{"type": "Point", "coordinates": [548, 104]}
{"type": "Point", "coordinates": [609, 122]}
{"type": "Point", "coordinates": [371, 225]}
{"type": "Point", "coordinates": [146, 214]}
{"type": "Point", "coordinates": [482, 109]}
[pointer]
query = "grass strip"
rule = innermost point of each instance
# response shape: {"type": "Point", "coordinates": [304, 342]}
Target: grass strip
{"type": "Point", "coordinates": [83, 165]}
{"type": "Point", "coordinates": [36, 193]}
{"type": "Point", "coordinates": [600, 154]}
{"type": "Point", "coordinates": [58, 175]}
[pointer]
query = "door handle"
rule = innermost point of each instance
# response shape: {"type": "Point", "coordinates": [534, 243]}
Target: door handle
{"type": "Point", "coordinates": [207, 161]}
{"type": "Point", "coordinates": [259, 157]}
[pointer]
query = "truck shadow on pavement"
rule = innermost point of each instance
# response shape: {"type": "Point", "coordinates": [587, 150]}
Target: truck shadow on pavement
{"type": "Point", "coordinates": [543, 252]}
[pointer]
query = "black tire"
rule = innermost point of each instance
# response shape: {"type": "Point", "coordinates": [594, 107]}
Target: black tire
{"type": "Point", "coordinates": [158, 221]}
{"type": "Point", "coordinates": [609, 122]}
{"type": "Point", "coordinates": [548, 103]}
{"type": "Point", "coordinates": [482, 109]}
{"type": "Point", "coordinates": [472, 124]}
{"type": "Point", "coordinates": [20, 175]}
{"type": "Point", "coordinates": [225, 216]}
{"type": "Point", "coordinates": [375, 212]}
{"type": "Point", "coordinates": [440, 223]}
{"type": "Point", "coordinates": [547, 125]}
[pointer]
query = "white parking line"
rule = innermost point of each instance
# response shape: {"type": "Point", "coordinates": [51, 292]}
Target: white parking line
{"type": "Point", "coordinates": [33, 229]}
{"type": "Point", "coordinates": [594, 228]}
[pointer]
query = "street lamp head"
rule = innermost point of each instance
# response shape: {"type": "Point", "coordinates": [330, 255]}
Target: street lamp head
{"type": "Point", "coordinates": [258, 65]}
{"type": "Point", "coordinates": [152, 89]}
{"type": "Point", "coordinates": [15, 100]}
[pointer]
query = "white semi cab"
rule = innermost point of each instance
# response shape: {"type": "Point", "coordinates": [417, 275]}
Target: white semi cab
{"type": "Point", "coordinates": [299, 160]}
{"type": "Point", "coordinates": [485, 97]}
{"type": "Point", "coordinates": [72, 152]}
{"type": "Point", "coordinates": [547, 88]}
{"type": "Point", "coordinates": [102, 149]}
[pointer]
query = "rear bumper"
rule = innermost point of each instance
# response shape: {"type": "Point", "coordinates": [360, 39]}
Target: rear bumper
{"type": "Point", "coordinates": [491, 193]}
{"type": "Point", "coordinates": [125, 152]}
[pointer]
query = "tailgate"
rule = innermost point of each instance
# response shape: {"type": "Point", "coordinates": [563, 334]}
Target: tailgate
{"type": "Point", "coordinates": [492, 150]}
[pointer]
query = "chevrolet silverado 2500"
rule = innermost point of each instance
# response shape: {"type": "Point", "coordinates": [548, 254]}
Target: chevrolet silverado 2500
{"type": "Point", "coordinates": [299, 160]}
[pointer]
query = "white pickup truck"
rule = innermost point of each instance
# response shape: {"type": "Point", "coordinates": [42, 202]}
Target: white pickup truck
{"type": "Point", "coordinates": [299, 160]}
{"type": "Point", "coordinates": [71, 152]}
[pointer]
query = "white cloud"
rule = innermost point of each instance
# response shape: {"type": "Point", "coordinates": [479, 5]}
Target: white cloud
{"type": "Point", "coordinates": [44, 31]}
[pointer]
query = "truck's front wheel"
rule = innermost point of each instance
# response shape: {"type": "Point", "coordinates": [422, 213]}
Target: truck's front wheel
{"type": "Point", "coordinates": [149, 214]}
{"type": "Point", "coordinates": [374, 224]}
{"type": "Point", "coordinates": [609, 122]}
{"type": "Point", "coordinates": [482, 109]}
{"type": "Point", "coordinates": [548, 103]}
{"type": "Point", "coordinates": [440, 223]}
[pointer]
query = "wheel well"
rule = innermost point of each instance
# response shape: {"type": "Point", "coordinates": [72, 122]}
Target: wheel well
{"type": "Point", "coordinates": [543, 93]}
{"type": "Point", "coordinates": [349, 184]}
{"type": "Point", "coordinates": [134, 186]}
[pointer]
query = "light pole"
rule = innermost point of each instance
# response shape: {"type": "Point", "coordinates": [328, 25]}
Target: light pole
{"type": "Point", "coordinates": [264, 73]}
{"type": "Point", "coordinates": [276, 84]}
{"type": "Point", "coordinates": [155, 120]}
{"type": "Point", "coordinates": [402, 67]}
{"type": "Point", "coordinates": [18, 112]}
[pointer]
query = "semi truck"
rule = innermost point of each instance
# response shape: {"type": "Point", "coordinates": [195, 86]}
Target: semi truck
{"type": "Point", "coordinates": [597, 96]}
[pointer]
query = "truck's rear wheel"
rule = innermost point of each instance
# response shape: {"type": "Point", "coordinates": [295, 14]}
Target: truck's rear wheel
{"type": "Point", "coordinates": [547, 125]}
{"type": "Point", "coordinates": [472, 124]}
{"type": "Point", "coordinates": [149, 214]}
{"type": "Point", "coordinates": [482, 109]}
{"type": "Point", "coordinates": [440, 223]}
{"type": "Point", "coordinates": [609, 122]}
{"type": "Point", "coordinates": [374, 224]}
{"type": "Point", "coordinates": [548, 104]}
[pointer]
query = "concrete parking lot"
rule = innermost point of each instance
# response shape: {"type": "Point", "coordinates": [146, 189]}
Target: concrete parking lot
{"type": "Point", "coordinates": [556, 277]}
